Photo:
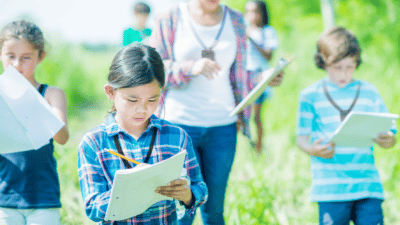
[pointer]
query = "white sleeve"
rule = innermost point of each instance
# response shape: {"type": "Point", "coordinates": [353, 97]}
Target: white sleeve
{"type": "Point", "coordinates": [270, 38]}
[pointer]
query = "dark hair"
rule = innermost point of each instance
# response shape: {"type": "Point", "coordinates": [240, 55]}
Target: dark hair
{"type": "Point", "coordinates": [262, 6]}
{"type": "Point", "coordinates": [23, 30]}
{"type": "Point", "coordinates": [136, 65]}
{"type": "Point", "coordinates": [336, 44]}
{"type": "Point", "coordinates": [141, 8]}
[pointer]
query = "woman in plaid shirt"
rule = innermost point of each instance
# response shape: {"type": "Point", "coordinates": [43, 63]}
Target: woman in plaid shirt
{"type": "Point", "coordinates": [135, 83]}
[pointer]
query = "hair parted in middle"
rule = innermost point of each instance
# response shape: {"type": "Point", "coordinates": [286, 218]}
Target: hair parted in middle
{"type": "Point", "coordinates": [336, 44]}
{"type": "Point", "coordinates": [135, 65]}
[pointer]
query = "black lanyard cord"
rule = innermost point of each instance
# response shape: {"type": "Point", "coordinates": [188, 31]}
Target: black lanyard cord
{"type": "Point", "coordinates": [343, 113]}
{"type": "Point", "coordinates": [216, 38]}
{"type": "Point", "coordinates": [146, 160]}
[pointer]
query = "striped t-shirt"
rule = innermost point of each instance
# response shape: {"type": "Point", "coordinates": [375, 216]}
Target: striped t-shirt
{"type": "Point", "coordinates": [351, 173]}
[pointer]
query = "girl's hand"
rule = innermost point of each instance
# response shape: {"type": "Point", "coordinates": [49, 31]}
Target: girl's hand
{"type": "Point", "coordinates": [177, 189]}
{"type": "Point", "coordinates": [207, 67]}
{"type": "Point", "coordinates": [385, 140]}
{"type": "Point", "coordinates": [322, 151]}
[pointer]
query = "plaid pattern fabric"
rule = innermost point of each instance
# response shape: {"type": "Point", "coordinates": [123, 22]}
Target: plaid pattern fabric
{"type": "Point", "coordinates": [97, 167]}
{"type": "Point", "coordinates": [178, 73]}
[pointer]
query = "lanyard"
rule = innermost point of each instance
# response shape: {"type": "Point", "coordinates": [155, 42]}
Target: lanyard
{"type": "Point", "coordinates": [216, 38]}
{"type": "Point", "coordinates": [119, 149]}
{"type": "Point", "coordinates": [343, 113]}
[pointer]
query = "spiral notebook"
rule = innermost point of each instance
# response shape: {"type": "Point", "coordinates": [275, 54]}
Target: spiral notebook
{"type": "Point", "coordinates": [133, 190]}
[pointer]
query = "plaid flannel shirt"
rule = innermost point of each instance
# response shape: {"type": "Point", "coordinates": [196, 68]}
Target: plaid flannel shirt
{"type": "Point", "coordinates": [97, 167]}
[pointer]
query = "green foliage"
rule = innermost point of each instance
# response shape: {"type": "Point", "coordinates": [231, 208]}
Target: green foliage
{"type": "Point", "coordinates": [79, 72]}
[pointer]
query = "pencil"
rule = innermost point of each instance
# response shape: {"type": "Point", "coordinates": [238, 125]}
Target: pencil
{"type": "Point", "coordinates": [119, 155]}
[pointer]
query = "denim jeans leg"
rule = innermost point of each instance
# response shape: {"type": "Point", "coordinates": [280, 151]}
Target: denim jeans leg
{"type": "Point", "coordinates": [196, 134]}
{"type": "Point", "coordinates": [335, 213]}
{"type": "Point", "coordinates": [368, 212]}
{"type": "Point", "coordinates": [215, 149]}
{"type": "Point", "coordinates": [219, 147]}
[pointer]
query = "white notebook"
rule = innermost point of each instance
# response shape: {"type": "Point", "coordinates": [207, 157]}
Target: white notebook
{"type": "Point", "coordinates": [359, 129]}
{"type": "Point", "coordinates": [259, 89]}
{"type": "Point", "coordinates": [133, 190]}
{"type": "Point", "coordinates": [26, 119]}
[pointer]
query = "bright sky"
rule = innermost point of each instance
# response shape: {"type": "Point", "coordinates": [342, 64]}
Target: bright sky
{"type": "Point", "coordinates": [94, 21]}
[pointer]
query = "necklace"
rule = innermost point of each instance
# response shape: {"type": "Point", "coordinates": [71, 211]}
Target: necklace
{"type": "Point", "coordinates": [207, 52]}
{"type": "Point", "coordinates": [343, 113]}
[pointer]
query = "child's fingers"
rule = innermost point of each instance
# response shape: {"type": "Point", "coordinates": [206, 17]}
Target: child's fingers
{"type": "Point", "coordinates": [319, 141]}
{"type": "Point", "coordinates": [216, 66]}
{"type": "Point", "coordinates": [327, 154]}
{"type": "Point", "coordinates": [174, 186]}
{"type": "Point", "coordinates": [177, 182]}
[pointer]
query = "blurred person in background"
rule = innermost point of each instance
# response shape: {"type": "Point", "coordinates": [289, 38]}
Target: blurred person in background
{"type": "Point", "coordinates": [139, 32]}
{"type": "Point", "coordinates": [262, 41]}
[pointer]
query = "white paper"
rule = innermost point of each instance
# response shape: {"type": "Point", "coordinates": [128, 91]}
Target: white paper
{"type": "Point", "coordinates": [133, 190]}
{"type": "Point", "coordinates": [26, 119]}
{"type": "Point", "coordinates": [359, 129]}
{"type": "Point", "coordinates": [259, 89]}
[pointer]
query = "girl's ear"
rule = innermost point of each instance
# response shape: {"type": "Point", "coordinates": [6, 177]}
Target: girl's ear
{"type": "Point", "coordinates": [110, 92]}
{"type": "Point", "coordinates": [42, 57]}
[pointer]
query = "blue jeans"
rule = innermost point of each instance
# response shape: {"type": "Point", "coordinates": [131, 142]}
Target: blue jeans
{"type": "Point", "coordinates": [215, 149]}
{"type": "Point", "coordinates": [366, 211]}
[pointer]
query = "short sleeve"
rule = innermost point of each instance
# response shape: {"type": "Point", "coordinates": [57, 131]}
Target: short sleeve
{"type": "Point", "coordinates": [270, 38]}
{"type": "Point", "coordinates": [305, 115]}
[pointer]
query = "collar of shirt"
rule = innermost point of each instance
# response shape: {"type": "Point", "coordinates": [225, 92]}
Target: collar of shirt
{"type": "Point", "coordinates": [112, 128]}
{"type": "Point", "coordinates": [352, 84]}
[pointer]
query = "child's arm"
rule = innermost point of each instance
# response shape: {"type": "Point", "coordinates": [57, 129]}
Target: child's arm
{"type": "Point", "coordinates": [386, 140]}
{"type": "Point", "coordinates": [316, 148]}
{"type": "Point", "coordinates": [58, 101]}
{"type": "Point", "coordinates": [92, 179]}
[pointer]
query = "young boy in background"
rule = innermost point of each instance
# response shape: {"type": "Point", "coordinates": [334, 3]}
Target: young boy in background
{"type": "Point", "coordinates": [139, 32]}
{"type": "Point", "coordinates": [346, 182]}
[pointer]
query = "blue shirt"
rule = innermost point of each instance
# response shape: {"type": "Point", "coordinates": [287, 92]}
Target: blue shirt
{"type": "Point", "coordinates": [132, 35]}
{"type": "Point", "coordinates": [97, 167]}
{"type": "Point", "coordinates": [29, 179]}
{"type": "Point", "coordinates": [351, 173]}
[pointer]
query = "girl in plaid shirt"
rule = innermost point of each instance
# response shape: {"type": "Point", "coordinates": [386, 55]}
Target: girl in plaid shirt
{"type": "Point", "coordinates": [136, 80]}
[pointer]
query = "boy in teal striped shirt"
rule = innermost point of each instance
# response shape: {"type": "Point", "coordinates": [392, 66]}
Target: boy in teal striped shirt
{"type": "Point", "coordinates": [346, 182]}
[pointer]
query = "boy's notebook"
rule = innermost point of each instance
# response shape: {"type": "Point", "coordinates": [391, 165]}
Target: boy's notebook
{"type": "Point", "coordinates": [259, 89]}
{"type": "Point", "coordinates": [133, 190]}
{"type": "Point", "coordinates": [26, 118]}
{"type": "Point", "coordinates": [359, 129]}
